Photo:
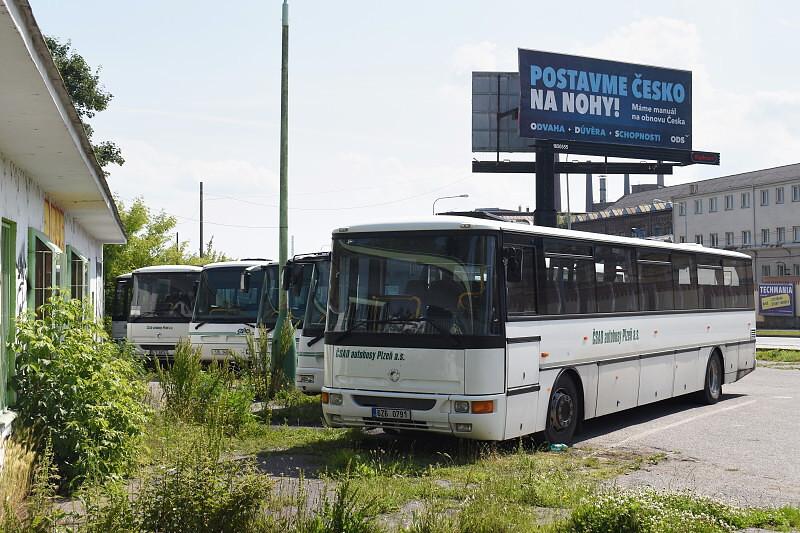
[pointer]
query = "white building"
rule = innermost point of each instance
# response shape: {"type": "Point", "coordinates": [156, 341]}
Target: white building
{"type": "Point", "coordinates": [55, 205]}
{"type": "Point", "coordinates": [755, 212]}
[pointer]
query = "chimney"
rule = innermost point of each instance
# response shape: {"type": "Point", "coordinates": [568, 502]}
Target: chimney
{"type": "Point", "coordinates": [602, 190]}
{"type": "Point", "coordinates": [589, 193]}
{"type": "Point", "coordinates": [626, 188]}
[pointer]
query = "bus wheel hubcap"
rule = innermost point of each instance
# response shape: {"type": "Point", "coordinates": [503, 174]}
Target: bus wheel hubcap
{"type": "Point", "coordinates": [561, 412]}
{"type": "Point", "coordinates": [714, 379]}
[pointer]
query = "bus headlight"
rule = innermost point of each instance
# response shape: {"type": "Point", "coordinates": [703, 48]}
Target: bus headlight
{"type": "Point", "coordinates": [461, 406]}
{"type": "Point", "coordinates": [335, 399]}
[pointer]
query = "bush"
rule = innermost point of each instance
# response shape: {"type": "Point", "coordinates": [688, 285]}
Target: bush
{"type": "Point", "coordinates": [257, 366]}
{"type": "Point", "coordinates": [79, 390]}
{"type": "Point", "coordinates": [215, 398]}
{"type": "Point", "coordinates": [191, 490]}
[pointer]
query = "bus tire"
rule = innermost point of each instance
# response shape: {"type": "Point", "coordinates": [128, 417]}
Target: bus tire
{"type": "Point", "coordinates": [563, 411]}
{"type": "Point", "coordinates": [712, 384]}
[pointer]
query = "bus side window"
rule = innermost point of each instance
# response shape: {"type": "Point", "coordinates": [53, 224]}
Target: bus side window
{"type": "Point", "coordinates": [738, 277]}
{"type": "Point", "coordinates": [521, 295]}
{"type": "Point", "coordinates": [710, 281]}
{"type": "Point", "coordinates": [616, 282]}
{"type": "Point", "coordinates": [655, 281]}
{"type": "Point", "coordinates": [685, 279]}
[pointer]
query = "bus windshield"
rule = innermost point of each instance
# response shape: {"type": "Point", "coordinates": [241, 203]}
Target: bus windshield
{"type": "Point", "coordinates": [298, 292]}
{"type": "Point", "coordinates": [317, 310]}
{"type": "Point", "coordinates": [414, 283]}
{"type": "Point", "coordinates": [220, 298]}
{"type": "Point", "coordinates": [163, 296]}
{"type": "Point", "coordinates": [268, 308]}
{"type": "Point", "coordinates": [122, 300]}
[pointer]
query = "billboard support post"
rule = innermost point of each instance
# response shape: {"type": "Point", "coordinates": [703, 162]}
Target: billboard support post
{"type": "Point", "coordinates": [545, 212]}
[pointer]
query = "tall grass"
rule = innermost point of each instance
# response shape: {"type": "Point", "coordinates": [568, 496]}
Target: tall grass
{"type": "Point", "coordinates": [16, 472]}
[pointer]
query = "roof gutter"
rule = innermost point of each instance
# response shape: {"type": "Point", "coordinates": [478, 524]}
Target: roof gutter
{"type": "Point", "coordinates": [21, 11]}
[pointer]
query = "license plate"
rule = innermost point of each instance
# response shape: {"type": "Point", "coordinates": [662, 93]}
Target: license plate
{"type": "Point", "coordinates": [159, 353]}
{"type": "Point", "coordinates": [219, 351]}
{"type": "Point", "coordinates": [391, 414]}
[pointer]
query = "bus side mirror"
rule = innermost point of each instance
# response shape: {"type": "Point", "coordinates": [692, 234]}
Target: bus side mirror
{"type": "Point", "coordinates": [244, 282]}
{"type": "Point", "coordinates": [513, 261]}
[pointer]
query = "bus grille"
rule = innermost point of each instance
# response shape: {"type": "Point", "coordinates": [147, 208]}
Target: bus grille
{"type": "Point", "coordinates": [415, 404]}
{"type": "Point", "coordinates": [399, 424]}
{"type": "Point", "coordinates": [157, 347]}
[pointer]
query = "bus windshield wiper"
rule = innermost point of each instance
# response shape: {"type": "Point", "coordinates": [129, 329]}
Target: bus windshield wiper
{"type": "Point", "coordinates": [315, 340]}
{"type": "Point", "coordinates": [344, 333]}
{"type": "Point", "coordinates": [199, 324]}
{"type": "Point", "coordinates": [443, 331]}
{"type": "Point", "coordinates": [248, 324]}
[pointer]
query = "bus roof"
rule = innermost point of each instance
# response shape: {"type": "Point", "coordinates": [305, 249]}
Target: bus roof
{"type": "Point", "coordinates": [311, 257]}
{"type": "Point", "coordinates": [240, 264]}
{"type": "Point", "coordinates": [450, 223]}
{"type": "Point", "coordinates": [167, 268]}
{"type": "Point", "coordinates": [127, 275]}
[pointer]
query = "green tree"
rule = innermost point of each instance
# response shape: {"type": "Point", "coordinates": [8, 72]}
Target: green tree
{"type": "Point", "coordinates": [151, 241]}
{"type": "Point", "coordinates": [88, 95]}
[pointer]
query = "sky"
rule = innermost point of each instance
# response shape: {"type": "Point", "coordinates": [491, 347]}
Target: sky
{"type": "Point", "coordinates": [379, 101]}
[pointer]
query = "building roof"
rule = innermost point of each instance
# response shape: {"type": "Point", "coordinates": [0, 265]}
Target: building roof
{"type": "Point", "coordinates": [757, 178]}
{"type": "Point", "coordinates": [40, 131]}
{"type": "Point", "coordinates": [462, 223]}
{"type": "Point", "coordinates": [614, 211]}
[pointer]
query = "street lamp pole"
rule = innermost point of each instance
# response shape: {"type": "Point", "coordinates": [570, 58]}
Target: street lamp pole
{"type": "Point", "coordinates": [445, 197]}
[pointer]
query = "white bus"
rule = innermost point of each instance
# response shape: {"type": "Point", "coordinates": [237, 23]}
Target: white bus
{"type": "Point", "coordinates": [492, 330]}
{"type": "Point", "coordinates": [307, 283]}
{"type": "Point", "coordinates": [224, 313]}
{"type": "Point", "coordinates": [161, 307]}
{"type": "Point", "coordinates": [121, 306]}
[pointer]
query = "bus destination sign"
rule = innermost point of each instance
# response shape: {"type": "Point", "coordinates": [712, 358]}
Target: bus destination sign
{"type": "Point", "coordinates": [573, 98]}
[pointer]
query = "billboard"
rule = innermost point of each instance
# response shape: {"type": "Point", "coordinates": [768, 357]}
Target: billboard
{"type": "Point", "coordinates": [776, 299]}
{"type": "Point", "coordinates": [573, 98]}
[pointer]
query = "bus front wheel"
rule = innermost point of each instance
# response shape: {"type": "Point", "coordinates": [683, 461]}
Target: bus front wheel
{"type": "Point", "coordinates": [562, 412]}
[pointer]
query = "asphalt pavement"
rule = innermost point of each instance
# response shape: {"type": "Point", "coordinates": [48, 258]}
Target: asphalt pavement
{"type": "Point", "coordinates": [744, 450]}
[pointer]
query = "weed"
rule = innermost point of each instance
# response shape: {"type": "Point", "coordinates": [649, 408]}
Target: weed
{"type": "Point", "coordinates": [17, 471]}
{"type": "Point", "coordinates": [782, 356]}
{"type": "Point", "coordinates": [180, 382]}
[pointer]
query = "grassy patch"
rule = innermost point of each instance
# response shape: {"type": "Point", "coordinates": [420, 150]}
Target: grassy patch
{"type": "Point", "coordinates": [295, 408]}
{"type": "Point", "coordinates": [648, 511]}
{"type": "Point", "coordinates": [782, 356]}
{"type": "Point", "coordinates": [778, 332]}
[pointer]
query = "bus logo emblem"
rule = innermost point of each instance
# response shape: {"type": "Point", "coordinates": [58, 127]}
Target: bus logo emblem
{"type": "Point", "coordinates": [394, 375]}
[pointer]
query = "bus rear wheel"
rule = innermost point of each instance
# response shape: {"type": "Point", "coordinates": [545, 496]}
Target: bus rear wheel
{"type": "Point", "coordinates": [712, 386]}
{"type": "Point", "coordinates": [562, 412]}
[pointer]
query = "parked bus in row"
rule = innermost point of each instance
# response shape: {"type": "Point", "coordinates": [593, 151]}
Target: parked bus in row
{"type": "Point", "coordinates": [161, 308]}
{"type": "Point", "coordinates": [492, 330]}
{"type": "Point", "coordinates": [307, 284]}
{"type": "Point", "coordinates": [224, 311]}
{"type": "Point", "coordinates": [121, 306]}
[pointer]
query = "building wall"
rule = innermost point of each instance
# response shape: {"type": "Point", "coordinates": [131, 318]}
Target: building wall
{"type": "Point", "coordinates": [23, 202]}
{"type": "Point", "coordinates": [754, 219]}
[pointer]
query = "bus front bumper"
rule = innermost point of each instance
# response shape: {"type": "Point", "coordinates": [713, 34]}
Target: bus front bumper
{"type": "Point", "coordinates": [220, 351]}
{"type": "Point", "coordinates": [309, 380]}
{"type": "Point", "coordinates": [428, 412]}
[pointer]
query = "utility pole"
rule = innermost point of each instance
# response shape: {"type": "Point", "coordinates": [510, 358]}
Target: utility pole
{"type": "Point", "coordinates": [201, 219]}
{"type": "Point", "coordinates": [287, 354]}
{"type": "Point", "coordinates": [177, 242]}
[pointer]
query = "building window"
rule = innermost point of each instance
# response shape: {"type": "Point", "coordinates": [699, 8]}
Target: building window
{"type": "Point", "coordinates": [728, 202]}
{"type": "Point", "coordinates": [764, 196]}
{"type": "Point", "coordinates": [796, 231]}
{"type": "Point", "coordinates": [714, 238]}
{"type": "Point", "coordinates": [780, 235]}
{"type": "Point", "coordinates": [765, 236]}
{"type": "Point", "coordinates": [796, 269]}
{"type": "Point", "coordinates": [79, 275]}
{"type": "Point", "coordinates": [778, 195]}
{"type": "Point", "coordinates": [745, 200]}
{"type": "Point", "coordinates": [698, 207]}
{"type": "Point", "coordinates": [682, 209]}
{"type": "Point", "coordinates": [765, 270]}
{"type": "Point", "coordinates": [698, 239]}
{"type": "Point", "coordinates": [712, 205]}
{"type": "Point", "coordinates": [783, 270]}
{"type": "Point", "coordinates": [729, 238]}
{"type": "Point", "coordinates": [746, 238]}
{"type": "Point", "coordinates": [796, 193]}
